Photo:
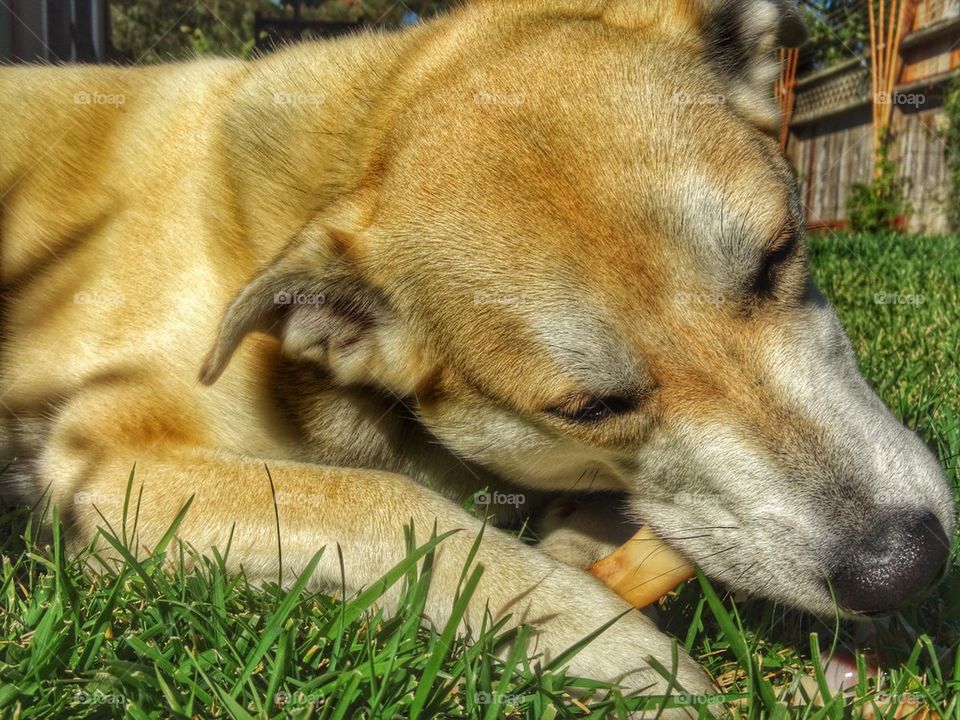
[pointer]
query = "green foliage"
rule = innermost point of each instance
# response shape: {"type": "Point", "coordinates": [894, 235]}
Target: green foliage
{"type": "Point", "coordinates": [875, 206]}
{"type": "Point", "coordinates": [146, 31]}
{"type": "Point", "coordinates": [951, 139]}
{"type": "Point", "coordinates": [838, 30]}
{"type": "Point", "coordinates": [371, 12]}
{"type": "Point", "coordinates": [151, 639]}
{"type": "Point", "coordinates": [898, 298]}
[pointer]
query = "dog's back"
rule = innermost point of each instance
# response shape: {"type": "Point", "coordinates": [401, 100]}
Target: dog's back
{"type": "Point", "coordinates": [500, 224]}
{"type": "Point", "coordinates": [135, 203]}
{"type": "Point", "coordinates": [105, 174]}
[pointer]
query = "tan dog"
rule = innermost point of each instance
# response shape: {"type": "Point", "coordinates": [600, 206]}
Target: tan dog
{"type": "Point", "coordinates": [537, 247]}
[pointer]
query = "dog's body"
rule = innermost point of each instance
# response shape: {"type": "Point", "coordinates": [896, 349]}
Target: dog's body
{"type": "Point", "coordinates": [506, 249]}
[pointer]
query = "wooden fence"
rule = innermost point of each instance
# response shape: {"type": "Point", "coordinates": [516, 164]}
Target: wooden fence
{"type": "Point", "coordinates": [830, 142]}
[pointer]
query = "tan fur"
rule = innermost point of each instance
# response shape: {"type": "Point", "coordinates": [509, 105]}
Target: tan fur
{"type": "Point", "coordinates": [489, 219]}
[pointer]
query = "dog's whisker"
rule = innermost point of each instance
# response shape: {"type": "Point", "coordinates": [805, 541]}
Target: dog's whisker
{"type": "Point", "coordinates": [750, 567]}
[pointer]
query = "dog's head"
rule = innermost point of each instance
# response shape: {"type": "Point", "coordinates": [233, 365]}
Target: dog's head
{"type": "Point", "coordinates": [581, 255]}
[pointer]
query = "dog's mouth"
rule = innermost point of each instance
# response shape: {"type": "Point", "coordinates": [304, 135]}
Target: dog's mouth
{"type": "Point", "coordinates": [891, 567]}
{"type": "Point", "coordinates": [643, 570]}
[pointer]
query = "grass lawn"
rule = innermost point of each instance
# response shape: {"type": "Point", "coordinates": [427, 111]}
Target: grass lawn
{"type": "Point", "coordinates": [144, 643]}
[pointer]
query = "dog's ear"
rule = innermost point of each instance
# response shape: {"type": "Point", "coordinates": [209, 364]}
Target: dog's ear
{"type": "Point", "coordinates": [313, 299]}
{"type": "Point", "coordinates": [740, 39]}
{"type": "Point", "coordinates": [743, 38]}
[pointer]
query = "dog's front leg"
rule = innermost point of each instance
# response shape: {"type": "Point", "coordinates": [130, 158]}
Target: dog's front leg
{"type": "Point", "coordinates": [578, 529]}
{"type": "Point", "coordinates": [364, 512]}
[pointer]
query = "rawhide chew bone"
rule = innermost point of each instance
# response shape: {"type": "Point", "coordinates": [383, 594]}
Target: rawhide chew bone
{"type": "Point", "coordinates": [643, 569]}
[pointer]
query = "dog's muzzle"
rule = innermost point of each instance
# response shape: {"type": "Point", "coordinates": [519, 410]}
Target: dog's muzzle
{"type": "Point", "coordinates": [901, 556]}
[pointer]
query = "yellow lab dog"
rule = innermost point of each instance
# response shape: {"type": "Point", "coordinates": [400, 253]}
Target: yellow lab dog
{"type": "Point", "coordinates": [545, 250]}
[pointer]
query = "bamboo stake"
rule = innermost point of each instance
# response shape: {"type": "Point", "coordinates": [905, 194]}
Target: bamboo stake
{"type": "Point", "coordinates": [873, 71]}
{"type": "Point", "coordinates": [883, 99]}
{"type": "Point", "coordinates": [889, 22]}
{"type": "Point", "coordinates": [881, 35]}
{"type": "Point", "coordinates": [897, 36]}
{"type": "Point", "coordinates": [888, 78]}
{"type": "Point", "coordinates": [786, 91]}
{"type": "Point", "coordinates": [890, 30]}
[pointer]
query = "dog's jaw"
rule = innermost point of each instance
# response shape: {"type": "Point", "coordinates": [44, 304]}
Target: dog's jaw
{"type": "Point", "coordinates": [776, 513]}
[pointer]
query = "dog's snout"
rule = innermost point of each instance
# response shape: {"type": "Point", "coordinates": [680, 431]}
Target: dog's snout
{"type": "Point", "coordinates": [895, 561]}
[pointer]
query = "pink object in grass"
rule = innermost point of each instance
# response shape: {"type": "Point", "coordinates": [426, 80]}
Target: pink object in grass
{"type": "Point", "coordinates": [841, 669]}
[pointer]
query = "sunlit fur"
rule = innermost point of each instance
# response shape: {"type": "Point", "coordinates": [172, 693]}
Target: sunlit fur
{"type": "Point", "coordinates": [485, 217]}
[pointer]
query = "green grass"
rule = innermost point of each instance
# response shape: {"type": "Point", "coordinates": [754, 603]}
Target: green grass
{"type": "Point", "coordinates": [147, 642]}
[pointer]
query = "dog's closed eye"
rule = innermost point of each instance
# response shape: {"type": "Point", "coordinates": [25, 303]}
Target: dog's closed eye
{"type": "Point", "coordinates": [588, 409]}
{"type": "Point", "coordinates": [767, 279]}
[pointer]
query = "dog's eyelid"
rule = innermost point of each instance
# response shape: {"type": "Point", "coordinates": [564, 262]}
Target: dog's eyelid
{"type": "Point", "coordinates": [781, 253]}
{"type": "Point", "coordinates": [781, 249]}
{"type": "Point", "coordinates": [587, 408]}
{"type": "Point", "coordinates": [784, 240]}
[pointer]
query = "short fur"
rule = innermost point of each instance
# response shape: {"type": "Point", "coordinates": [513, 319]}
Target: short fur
{"type": "Point", "coordinates": [415, 257]}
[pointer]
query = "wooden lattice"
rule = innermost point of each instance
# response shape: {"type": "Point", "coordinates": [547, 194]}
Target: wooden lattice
{"type": "Point", "coordinates": [832, 91]}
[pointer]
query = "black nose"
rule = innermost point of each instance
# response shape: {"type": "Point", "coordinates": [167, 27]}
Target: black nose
{"type": "Point", "coordinates": [896, 560]}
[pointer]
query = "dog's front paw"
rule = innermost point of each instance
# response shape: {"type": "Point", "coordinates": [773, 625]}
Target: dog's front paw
{"type": "Point", "coordinates": [632, 652]}
{"type": "Point", "coordinates": [643, 661]}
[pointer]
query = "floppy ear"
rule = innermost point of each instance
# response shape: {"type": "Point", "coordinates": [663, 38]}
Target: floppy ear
{"type": "Point", "coordinates": [313, 299]}
{"type": "Point", "coordinates": [743, 37]}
